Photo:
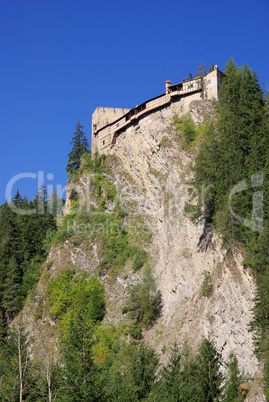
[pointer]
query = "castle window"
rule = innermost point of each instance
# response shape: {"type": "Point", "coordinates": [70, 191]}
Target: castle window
{"type": "Point", "coordinates": [103, 142]}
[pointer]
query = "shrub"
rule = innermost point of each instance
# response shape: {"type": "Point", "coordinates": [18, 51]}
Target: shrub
{"type": "Point", "coordinates": [71, 296]}
{"type": "Point", "coordinates": [186, 125]}
{"type": "Point", "coordinates": [140, 259]}
{"type": "Point", "coordinates": [144, 303]}
{"type": "Point", "coordinates": [207, 285]}
{"type": "Point", "coordinates": [73, 196]}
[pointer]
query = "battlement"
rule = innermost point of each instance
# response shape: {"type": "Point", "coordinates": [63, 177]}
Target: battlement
{"type": "Point", "coordinates": [109, 123]}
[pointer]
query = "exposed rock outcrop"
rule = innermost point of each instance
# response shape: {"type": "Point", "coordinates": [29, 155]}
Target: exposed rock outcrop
{"type": "Point", "coordinates": [160, 170]}
{"type": "Point", "coordinates": [152, 173]}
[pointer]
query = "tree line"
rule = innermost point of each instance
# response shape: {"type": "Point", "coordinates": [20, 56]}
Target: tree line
{"type": "Point", "coordinates": [25, 240]}
{"type": "Point", "coordinates": [95, 363]}
{"type": "Point", "coordinates": [231, 171]}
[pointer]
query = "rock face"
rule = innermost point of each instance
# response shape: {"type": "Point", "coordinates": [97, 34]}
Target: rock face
{"type": "Point", "coordinates": [181, 251]}
{"type": "Point", "coordinates": [151, 172]}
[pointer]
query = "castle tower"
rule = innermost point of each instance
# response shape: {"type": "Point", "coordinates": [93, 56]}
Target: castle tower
{"type": "Point", "coordinates": [167, 86]}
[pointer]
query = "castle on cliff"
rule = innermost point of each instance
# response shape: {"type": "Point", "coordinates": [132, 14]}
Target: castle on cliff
{"type": "Point", "coordinates": [108, 122]}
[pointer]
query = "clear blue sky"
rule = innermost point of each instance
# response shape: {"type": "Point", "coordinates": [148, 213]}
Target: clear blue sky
{"type": "Point", "coordinates": [60, 59]}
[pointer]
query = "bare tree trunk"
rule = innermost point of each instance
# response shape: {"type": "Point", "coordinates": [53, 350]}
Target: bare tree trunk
{"type": "Point", "coordinates": [20, 362]}
{"type": "Point", "coordinates": [49, 380]}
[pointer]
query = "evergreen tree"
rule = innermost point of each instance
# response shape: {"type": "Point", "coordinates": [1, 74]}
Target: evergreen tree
{"type": "Point", "coordinates": [80, 146]}
{"type": "Point", "coordinates": [233, 379]}
{"type": "Point", "coordinates": [201, 71]}
{"type": "Point", "coordinates": [85, 302]}
{"type": "Point", "coordinates": [3, 330]}
{"type": "Point", "coordinates": [120, 385]}
{"type": "Point", "coordinates": [55, 203]}
{"type": "Point", "coordinates": [82, 379]}
{"type": "Point", "coordinates": [143, 369]}
{"type": "Point", "coordinates": [36, 225]}
{"type": "Point", "coordinates": [41, 200]}
{"type": "Point", "coordinates": [208, 364]}
{"type": "Point", "coordinates": [171, 377]}
{"type": "Point", "coordinates": [235, 152]}
{"type": "Point", "coordinates": [211, 68]}
{"type": "Point", "coordinates": [10, 244]}
{"type": "Point", "coordinates": [12, 290]}
{"type": "Point", "coordinates": [190, 375]}
{"type": "Point", "coordinates": [144, 303]}
{"type": "Point", "coordinates": [17, 199]}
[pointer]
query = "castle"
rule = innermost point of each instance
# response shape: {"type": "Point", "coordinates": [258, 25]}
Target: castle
{"type": "Point", "coordinates": [108, 123]}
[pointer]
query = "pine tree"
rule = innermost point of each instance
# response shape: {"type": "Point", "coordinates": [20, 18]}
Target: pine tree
{"type": "Point", "coordinates": [233, 379]}
{"type": "Point", "coordinates": [209, 381]}
{"type": "Point", "coordinates": [80, 146]}
{"type": "Point", "coordinates": [3, 330]}
{"type": "Point", "coordinates": [144, 303]}
{"type": "Point", "coordinates": [41, 200]}
{"type": "Point", "coordinates": [144, 364]}
{"type": "Point", "coordinates": [234, 152]}
{"type": "Point", "coordinates": [201, 71]}
{"type": "Point", "coordinates": [36, 225]}
{"type": "Point", "coordinates": [11, 294]}
{"type": "Point", "coordinates": [211, 68]}
{"type": "Point", "coordinates": [10, 241]}
{"type": "Point", "coordinates": [55, 203]}
{"type": "Point", "coordinates": [171, 376]}
{"type": "Point", "coordinates": [17, 199]}
{"type": "Point", "coordinates": [82, 379]}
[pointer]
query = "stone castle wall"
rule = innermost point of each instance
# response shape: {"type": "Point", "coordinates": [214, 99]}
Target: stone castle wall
{"type": "Point", "coordinates": [102, 116]}
{"type": "Point", "coordinates": [109, 123]}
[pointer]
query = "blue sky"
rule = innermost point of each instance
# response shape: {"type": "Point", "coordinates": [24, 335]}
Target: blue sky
{"type": "Point", "coordinates": [60, 59]}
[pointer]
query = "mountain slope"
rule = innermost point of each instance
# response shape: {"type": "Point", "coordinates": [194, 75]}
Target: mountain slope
{"type": "Point", "coordinates": [151, 170]}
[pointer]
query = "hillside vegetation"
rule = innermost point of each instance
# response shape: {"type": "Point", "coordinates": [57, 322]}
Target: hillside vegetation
{"type": "Point", "coordinates": [81, 300]}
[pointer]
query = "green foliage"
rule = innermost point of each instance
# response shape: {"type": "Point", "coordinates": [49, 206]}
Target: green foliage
{"type": "Point", "coordinates": [31, 276]}
{"type": "Point", "coordinates": [96, 364]}
{"type": "Point", "coordinates": [26, 231]}
{"type": "Point", "coordinates": [55, 203]}
{"type": "Point", "coordinates": [15, 366]}
{"type": "Point", "coordinates": [188, 377]}
{"type": "Point", "coordinates": [232, 381]}
{"type": "Point", "coordinates": [140, 259]}
{"type": "Point", "coordinates": [115, 250]}
{"type": "Point", "coordinates": [11, 293]}
{"type": "Point", "coordinates": [234, 154]}
{"type": "Point", "coordinates": [171, 375]}
{"type": "Point", "coordinates": [191, 133]}
{"type": "Point", "coordinates": [47, 242]}
{"type": "Point", "coordinates": [210, 377]}
{"type": "Point", "coordinates": [71, 296]}
{"type": "Point", "coordinates": [211, 68]}
{"type": "Point", "coordinates": [144, 303]}
{"type": "Point", "coordinates": [81, 373]}
{"type": "Point", "coordinates": [207, 285]}
{"type": "Point", "coordinates": [186, 125]}
{"type": "Point", "coordinates": [103, 187]}
{"type": "Point", "coordinates": [119, 238]}
{"type": "Point", "coordinates": [80, 146]}
{"type": "Point", "coordinates": [143, 368]}
{"type": "Point", "coordinates": [73, 196]}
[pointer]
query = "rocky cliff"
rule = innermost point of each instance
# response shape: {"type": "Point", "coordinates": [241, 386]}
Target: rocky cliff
{"type": "Point", "coordinates": [181, 250]}
{"type": "Point", "coordinates": [151, 172]}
